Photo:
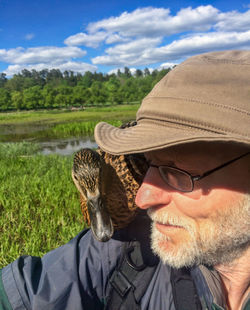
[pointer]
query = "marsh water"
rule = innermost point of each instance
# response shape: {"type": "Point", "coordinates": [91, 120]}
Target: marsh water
{"type": "Point", "coordinates": [66, 146]}
{"type": "Point", "coordinates": [31, 133]}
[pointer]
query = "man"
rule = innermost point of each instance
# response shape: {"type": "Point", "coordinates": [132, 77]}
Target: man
{"type": "Point", "coordinates": [194, 131]}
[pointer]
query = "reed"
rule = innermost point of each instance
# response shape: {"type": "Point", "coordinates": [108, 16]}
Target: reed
{"type": "Point", "coordinates": [78, 129]}
{"type": "Point", "coordinates": [39, 205]}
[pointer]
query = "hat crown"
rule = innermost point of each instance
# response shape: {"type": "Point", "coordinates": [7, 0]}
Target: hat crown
{"type": "Point", "coordinates": [205, 98]}
{"type": "Point", "coordinates": [209, 91]}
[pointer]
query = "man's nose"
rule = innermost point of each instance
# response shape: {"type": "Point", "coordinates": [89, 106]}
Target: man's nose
{"type": "Point", "coordinates": [153, 191]}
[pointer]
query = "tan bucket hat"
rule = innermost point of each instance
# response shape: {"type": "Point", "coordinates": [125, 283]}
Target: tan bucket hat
{"type": "Point", "coordinates": [206, 98]}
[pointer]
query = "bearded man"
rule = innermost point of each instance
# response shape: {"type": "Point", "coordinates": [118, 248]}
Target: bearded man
{"type": "Point", "coordinates": [194, 130]}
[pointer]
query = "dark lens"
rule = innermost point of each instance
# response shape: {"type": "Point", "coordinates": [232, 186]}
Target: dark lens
{"type": "Point", "coordinates": [176, 178]}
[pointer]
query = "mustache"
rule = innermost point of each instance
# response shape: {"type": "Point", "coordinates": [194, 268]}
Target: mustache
{"type": "Point", "coordinates": [167, 219]}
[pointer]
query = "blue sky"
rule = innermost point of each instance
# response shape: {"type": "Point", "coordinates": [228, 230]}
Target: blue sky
{"type": "Point", "coordinates": [104, 35]}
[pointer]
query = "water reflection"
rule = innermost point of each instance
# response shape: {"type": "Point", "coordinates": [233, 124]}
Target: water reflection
{"type": "Point", "coordinates": [21, 132]}
{"type": "Point", "coordinates": [66, 146]}
{"type": "Point", "coordinates": [31, 133]}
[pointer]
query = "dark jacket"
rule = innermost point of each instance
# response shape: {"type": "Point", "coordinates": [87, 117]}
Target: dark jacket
{"type": "Point", "coordinates": [75, 276]}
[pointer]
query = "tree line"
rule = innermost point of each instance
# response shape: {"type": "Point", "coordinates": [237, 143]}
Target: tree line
{"type": "Point", "coordinates": [50, 89]}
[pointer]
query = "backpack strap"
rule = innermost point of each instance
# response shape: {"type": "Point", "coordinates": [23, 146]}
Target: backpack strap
{"type": "Point", "coordinates": [130, 279]}
{"type": "Point", "coordinates": [184, 291]}
{"type": "Point", "coordinates": [135, 269]}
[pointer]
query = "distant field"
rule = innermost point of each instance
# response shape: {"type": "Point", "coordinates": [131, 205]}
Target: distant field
{"type": "Point", "coordinates": [39, 205]}
{"type": "Point", "coordinates": [60, 124]}
{"type": "Point", "coordinates": [61, 116]}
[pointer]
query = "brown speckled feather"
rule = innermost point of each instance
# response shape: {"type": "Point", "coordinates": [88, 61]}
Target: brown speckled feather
{"type": "Point", "coordinates": [121, 185]}
{"type": "Point", "coordinates": [118, 180]}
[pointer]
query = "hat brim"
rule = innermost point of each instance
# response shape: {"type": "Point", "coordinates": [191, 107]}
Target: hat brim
{"type": "Point", "coordinates": [149, 136]}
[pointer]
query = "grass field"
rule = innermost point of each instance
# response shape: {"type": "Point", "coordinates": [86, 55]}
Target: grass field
{"type": "Point", "coordinates": [39, 205]}
{"type": "Point", "coordinates": [61, 116]}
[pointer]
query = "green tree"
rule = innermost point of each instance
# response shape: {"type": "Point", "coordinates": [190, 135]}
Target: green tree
{"type": "Point", "coordinates": [127, 72]}
{"type": "Point", "coordinates": [138, 73]}
{"type": "Point", "coordinates": [37, 78]}
{"type": "Point", "coordinates": [98, 93]}
{"type": "Point", "coordinates": [5, 99]}
{"type": "Point", "coordinates": [86, 80]}
{"type": "Point", "coordinates": [146, 72]}
{"type": "Point", "coordinates": [99, 77]}
{"type": "Point", "coordinates": [144, 85]}
{"type": "Point", "coordinates": [54, 77]}
{"type": "Point", "coordinates": [50, 88]}
{"type": "Point", "coordinates": [70, 78]}
{"type": "Point", "coordinates": [112, 88]}
{"type": "Point", "coordinates": [129, 90]}
{"type": "Point", "coordinates": [16, 83]}
{"type": "Point", "coordinates": [64, 96]}
{"type": "Point", "coordinates": [49, 93]}
{"type": "Point", "coordinates": [17, 100]}
{"type": "Point", "coordinates": [26, 73]}
{"type": "Point", "coordinates": [80, 95]}
{"type": "Point", "coordinates": [3, 79]}
{"type": "Point", "coordinates": [32, 98]}
{"type": "Point", "coordinates": [119, 73]}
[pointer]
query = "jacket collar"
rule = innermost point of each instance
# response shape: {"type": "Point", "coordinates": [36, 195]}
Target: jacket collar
{"type": "Point", "coordinates": [210, 289]}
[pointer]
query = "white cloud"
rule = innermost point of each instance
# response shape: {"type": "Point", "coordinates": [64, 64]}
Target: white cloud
{"type": "Point", "coordinates": [234, 21]}
{"type": "Point", "coordinates": [126, 54]}
{"type": "Point", "coordinates": [177, 49]}
{"type": "Point", "coordinates": [148, 22]}
{"type": "Point", "coordinates": [90, 40]}
{"type": "Point", "coordinates": [114, 71]}
{"type": "Point", "coordinates": [115, 38]}
{"type": "Point", "coordinates": [136, 37]}
{"type": "Point", "coordinates": [45, 57]}
{"type": "Point", "coordinates": [29, 36]}
{"type": "Point", "coordinates": [80, 67]}
{"type": "Point", "coordinates": [167, 65]}
{"type": "Point", "coordinates": [145, 23]}
{"type": "Point", "coordinates": [199, 44]}
{"type": "Point", "coordinates": [142, 37]}
{"type": "Point", "coordinates": [133, 46]}
{"type": "Point", "coordinates": [44, 54]}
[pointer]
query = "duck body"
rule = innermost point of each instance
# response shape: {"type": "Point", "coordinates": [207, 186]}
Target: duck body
{"type": "Point", "coordinates": [108, 185]}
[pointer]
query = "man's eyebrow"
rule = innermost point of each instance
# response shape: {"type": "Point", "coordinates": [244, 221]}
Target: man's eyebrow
{"type": "Point", "coordinates": [158, 162]}
{"type": "Point", "coordinates": [171, 158]}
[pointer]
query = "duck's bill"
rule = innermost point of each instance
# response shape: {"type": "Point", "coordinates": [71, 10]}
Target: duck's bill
{"type": "Point", "coordinates": [101, 223]}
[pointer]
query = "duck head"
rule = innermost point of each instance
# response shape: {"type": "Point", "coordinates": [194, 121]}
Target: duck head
{"type": "Point", "coordinates": [88, 173]}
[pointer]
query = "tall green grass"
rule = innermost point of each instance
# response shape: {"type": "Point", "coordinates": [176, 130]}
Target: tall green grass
{"type": "Point", "coordinates": [60, 131]}
{"type": "Point", "coordinates": [78, 129]}
{"type": "Point", "coordinates": [39, 205]}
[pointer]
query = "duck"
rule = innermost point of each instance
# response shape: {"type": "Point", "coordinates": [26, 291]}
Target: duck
{"type": "Point", "coordinates": [107, 185]}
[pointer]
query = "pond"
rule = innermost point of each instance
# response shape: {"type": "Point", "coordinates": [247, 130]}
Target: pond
{"type": "Point", "coordinates": [66, 146]}
{"type": "Point", "coordinates": [32, 133]}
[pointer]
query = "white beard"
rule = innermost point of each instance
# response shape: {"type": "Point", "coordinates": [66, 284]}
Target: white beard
{"type": "Point", "coordinates": [227, 237]}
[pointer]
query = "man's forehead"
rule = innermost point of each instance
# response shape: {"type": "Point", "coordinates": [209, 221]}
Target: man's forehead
{"type": "Point", "coordinates": [197, 151]}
